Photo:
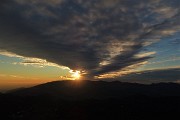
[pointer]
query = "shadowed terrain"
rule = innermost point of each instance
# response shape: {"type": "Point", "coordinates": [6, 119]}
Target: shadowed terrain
{"type": "Point", "coordinates": [77, 90]}
{"type": "Point", "coordinates": [90, 100]}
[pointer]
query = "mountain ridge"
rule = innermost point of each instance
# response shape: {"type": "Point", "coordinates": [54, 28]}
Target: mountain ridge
{"type": "Point", "coordinates": [98, 89]}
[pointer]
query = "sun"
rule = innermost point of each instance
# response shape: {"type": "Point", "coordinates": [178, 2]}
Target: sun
{"type": "Point", "coordinates": [76, 75]}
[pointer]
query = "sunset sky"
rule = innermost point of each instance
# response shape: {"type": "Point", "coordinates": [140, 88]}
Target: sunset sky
{"type": "Point", "coordinates": [126, 40]}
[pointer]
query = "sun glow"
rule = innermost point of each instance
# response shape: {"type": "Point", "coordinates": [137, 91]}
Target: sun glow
{"type": "Point", "coordinates": [76, 75]}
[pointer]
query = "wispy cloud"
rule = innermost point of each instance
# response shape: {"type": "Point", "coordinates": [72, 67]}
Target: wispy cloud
{"type": "Point", "coordinates": [145, 54]}
{"type": "Point", "coordinates": [9, 54]}
{"type": "Point", "coordinates": [37, 62]}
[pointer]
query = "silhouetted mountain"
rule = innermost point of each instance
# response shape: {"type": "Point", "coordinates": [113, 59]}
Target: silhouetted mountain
{"type": "Point", "coordinates": [1, 95]}
{"type": "Point", "coordinates": [92, 100]}
{"type": "Point", "coordinates": [14, 90]}
{"type": "Point", "coordinates": [75, 90]}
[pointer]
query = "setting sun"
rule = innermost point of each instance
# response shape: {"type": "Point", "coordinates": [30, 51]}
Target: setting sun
{"type": "Point", "coordinates": [76, 75]}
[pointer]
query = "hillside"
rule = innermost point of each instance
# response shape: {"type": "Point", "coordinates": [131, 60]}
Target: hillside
{"type": "Point", "coordinates": [98, 90]}
{"type": "Point", "coordinates": [92, 100]}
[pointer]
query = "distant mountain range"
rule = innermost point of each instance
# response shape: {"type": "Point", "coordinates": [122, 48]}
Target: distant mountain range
{"type": "Point", "coordinates": [75, 90]}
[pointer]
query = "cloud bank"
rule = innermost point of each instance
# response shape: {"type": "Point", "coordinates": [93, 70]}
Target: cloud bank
{"type": "Point", "coordinates": [153, 76]}
{"type": "Point", "coordinates": [98, 37]}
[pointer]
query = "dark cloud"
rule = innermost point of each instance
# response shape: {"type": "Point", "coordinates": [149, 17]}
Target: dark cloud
{"type": "Point", "coordinates": [153, 76]}
{"type": "Point", "coordinates": [96, 36]}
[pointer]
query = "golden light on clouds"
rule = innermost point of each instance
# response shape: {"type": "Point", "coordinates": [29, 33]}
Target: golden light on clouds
{"type": "Point", "coordinates": [31, 61]}
{"type": "Point", "coordinates": [122, 72]}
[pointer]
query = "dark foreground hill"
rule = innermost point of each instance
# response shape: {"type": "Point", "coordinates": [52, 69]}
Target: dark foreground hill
{"type": "Point", "coordinates": [92, 100]}
{"type": "Point", "coordinates": [77, 90]}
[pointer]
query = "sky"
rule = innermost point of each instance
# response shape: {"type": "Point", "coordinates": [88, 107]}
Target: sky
{"type": "Point", "coordinates": [125, 40]}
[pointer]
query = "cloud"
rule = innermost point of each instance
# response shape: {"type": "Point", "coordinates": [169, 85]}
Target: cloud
{"type": "Point", "coordinates": [124, 71]}
{"type": "Point", "coordinates": [36, 62]}
{"type": "Point", "coordinates": [140, 55]}
{"type": "Point", "coordinates": [153, 76]}
{"type": "Point", "coordinates": [35, 2]}
{"type": "Point", "coordinates": [11, 76]}
{"type": "Point", "coordinates": [98, 37]}
{"type": "Point", "coordinates": [9, 54]}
